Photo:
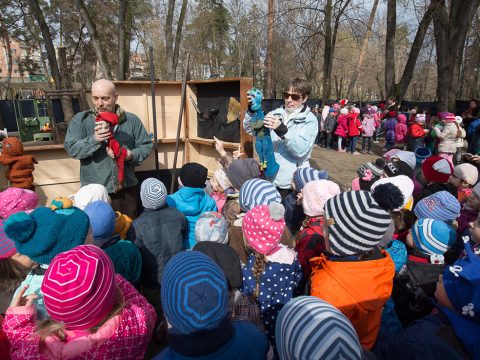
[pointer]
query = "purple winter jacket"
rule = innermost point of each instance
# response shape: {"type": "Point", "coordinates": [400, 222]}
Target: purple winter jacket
{"type": "Point", "coordinates": [390, 125]}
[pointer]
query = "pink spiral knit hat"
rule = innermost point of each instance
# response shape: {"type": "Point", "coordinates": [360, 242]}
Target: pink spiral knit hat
{"type": "Point", "coordinates": [14, 200]}
{"type": "Point", "coordinates": [315, 195]}
{"type": "Point", "coordinates": [79, 287]}
{"type": "Point", "coordinates": [263, 227]}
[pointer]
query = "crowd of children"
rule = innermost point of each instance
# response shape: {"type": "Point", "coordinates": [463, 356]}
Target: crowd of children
{"type": "Point", "coordinates": [224, 268]}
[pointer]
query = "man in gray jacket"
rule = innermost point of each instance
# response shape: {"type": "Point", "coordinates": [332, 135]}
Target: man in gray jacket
{"type": "Point", "coordinates": [87, 142]}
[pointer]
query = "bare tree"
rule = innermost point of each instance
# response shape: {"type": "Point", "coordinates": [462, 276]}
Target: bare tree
{"type": "Point", "coordinates": [123, 49]}
{"type": "Point", "coordinates": [8, 51]}
{"type": "Point", "coordinates": [269, 59]}
{"type": "Point", "coordinates": [92, 30]}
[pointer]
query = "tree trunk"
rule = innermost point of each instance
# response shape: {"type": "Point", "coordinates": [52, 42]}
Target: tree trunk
{"type": "Point", "coordinates": [390, 46]}
{"type": "Point", "coordinates": [327, 66]}
{"type": "Point", "coordinates": [363, 49]}
{"type": "Point", "coordinates": [450, 25]}
{"type": "Point", "coordinates": [269, 59]}
{"type": "Point", "coordinates": [47, 39]}
{"type": "Point", "coordinates": [92, 30]}
{"type": "Point", "coordinates": [178, 35]}
{"type": "Point", "coordinates": [169, 41]}
{"type": "Point", "coordinates": [122, 14]}
{"type": "Point", "coordinates": [8, 51]}
{"type": "Point", "coordinates": [65, 100]}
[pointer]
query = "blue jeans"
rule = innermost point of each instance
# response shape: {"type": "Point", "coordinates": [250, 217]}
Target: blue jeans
{"type": "Point", "coordinates": [353, 144]}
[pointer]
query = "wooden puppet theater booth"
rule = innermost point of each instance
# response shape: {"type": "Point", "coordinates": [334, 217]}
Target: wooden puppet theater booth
{"type": "Point", "coordinates": [212, 108]}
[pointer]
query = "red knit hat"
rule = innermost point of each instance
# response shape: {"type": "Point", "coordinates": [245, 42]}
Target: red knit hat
{"type": "Point", "coordinates": [263, 227]}
{"type": "Point", "coordinates": [437, 169]}
{"type": "Point", "coordinates": [79, 287]}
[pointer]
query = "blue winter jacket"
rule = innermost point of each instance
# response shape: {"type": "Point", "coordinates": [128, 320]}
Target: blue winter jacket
{"type": "Point", "coordinates": [295, 148]}
{"type": "Point", "coordinates": [192, 202]}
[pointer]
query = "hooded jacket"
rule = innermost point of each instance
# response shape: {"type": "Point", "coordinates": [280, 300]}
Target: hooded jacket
{"type": "Point", "coordinates": [390, 126]}
{"type": "Point", "coordinates": [192, 202]}
{"type": "Point", "coordinates": [448, 138]}
{"type": "Point", "coordinates": [359, 289]}
{"type": "Point", "coordinates": [293, 149]}
{"type": "Point", "coordinates": [96, 167]}
{"type": "Point", "coordinates": [401, 130]}
{"type": "Point", "coordinates": [342, 127]}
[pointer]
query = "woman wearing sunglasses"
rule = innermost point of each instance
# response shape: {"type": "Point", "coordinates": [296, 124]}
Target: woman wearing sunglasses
{"type": "Point", "coordinates": [294, 128]}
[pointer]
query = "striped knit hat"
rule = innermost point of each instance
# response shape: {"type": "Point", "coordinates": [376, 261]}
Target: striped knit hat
{"type": "Point", "coordinates": [310, 328]}
{"type": "Point", "coordinates": [153, 194]}
{"type": "Point", "coordinates": [194, 292]}
{"type": "Point", "coordinates": [358, 220]}
{"type": "Point", "coordinates": [433, 236]}
{"type": "Point", "coordinates": [441, 206]}
{"type": "Point", "coordinates": [79, 287]}
{"type": "Point", "coordinates": [303, 175]}
{"type": "Point", "coordinates": [256, 192]}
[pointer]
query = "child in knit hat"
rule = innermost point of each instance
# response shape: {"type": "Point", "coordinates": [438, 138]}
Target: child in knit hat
{"type": "Point", "coordinates": [124, 254]}
{"type": "Point", "coordinates": [416, 133]}
{"type": "Point", "coordinates": [253, 192]}
{"type": "Point", "coordinates": [94, 192]}
{"type": "Point", "coordinates": [448, 137]}
{"type": "Point", "coordinates": [436, 172]}
{"type": "Point", "coordinates": [273, 271]}
{"type": "Point", "coordinates": [93, 313]}
{"type": "Point", "coordinates": [195, 298]}
{"type": "Point", "coordinates": [309, 242]}
{"type": "Point", "coordinates": [453, 331]}
{"type": "Point", "coordinates": [240, 307]}
{"type": "Point", "coordinates": [158, 234]}
{"type": "Point", "coordinates": [220, 188]}
{"type": "Point", "coordinates": [441, 206]}
{"type": "Point", "coordinates": [427, 242]}
{"type": "Point", "coordinates": [294, 215]}
{"type": "Point", "coordinates": [357, 277]}
{"type": "Point", "coordinates": [310, 328]}
{"type": "Point", "coordinates": [464, 177]}
{"type": "Point", "coordinates": [40, 236]}
{"type": "Point", "coordinates": [342, 129]}
{"type": "Point", "coordinates": [191, 199]}
{"type": "Point", "coordinates": [14, 200]}
{"type": "Point", "coordinates": [368, 173]}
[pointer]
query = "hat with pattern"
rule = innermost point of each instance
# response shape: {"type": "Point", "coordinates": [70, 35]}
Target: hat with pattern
{"type": "Point", "coordinates": [310, 328]}
{"type": "Point", "coordinates": [437, 169]}
{"type": "Point", "coordinates": [433, 236]}
{"type": "Point", "coordinates": [14, 200]}
{"type": "Point", "coordinates": [257, 192]}
{"type": "Point", "coordinates": [44, 233]}
{"type": "Point", "coordinates": [358, 220]}
{"type": "Point", "coordinates": [153, 194]}
{"type": "Point", "coordinates": [79, 287]}
{"type": "Point", "coordinates": [7, 246]}
{"type": "Point", "coordinates": [222, 179]}
{"type": "Point", "coordinates": [194, 293]}
{"type": "Point", "coordinates": [441, 206]}
{"type": "Point", "coordinates": [263, 227]}
{"type": "Point", "coordinates": [303, 175]}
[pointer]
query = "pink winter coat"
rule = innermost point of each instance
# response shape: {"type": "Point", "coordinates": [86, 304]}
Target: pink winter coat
{"type": "Point", "coordinates": [125, 336]}
{"type": "Point", "coordinates": [368, 126]}
{"type": "Point", "coordinates": [342, 128]}
{"type": "Point", "coordinates": [401, 129]}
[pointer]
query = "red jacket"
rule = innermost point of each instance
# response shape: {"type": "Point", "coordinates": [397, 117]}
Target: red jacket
{"type": "Point", "coordinates": [342, 128]}
{"type": "Point", "coordinates": [354, 125]}
{"type": "Point", "coordinates": [309, 244]}
{"type": "Point", "coordinates": [416, 130]}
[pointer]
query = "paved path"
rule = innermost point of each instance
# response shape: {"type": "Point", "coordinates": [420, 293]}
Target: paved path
{"type": "Point", "coordinates": [342, 167]}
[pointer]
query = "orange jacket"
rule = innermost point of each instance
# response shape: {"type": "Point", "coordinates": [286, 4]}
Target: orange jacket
{"type": "Point", "coordinates": [359, 289]}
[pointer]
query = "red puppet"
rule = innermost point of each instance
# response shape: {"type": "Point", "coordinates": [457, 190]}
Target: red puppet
{"type": "Point", "coordinates": [20, 166]}
{"type": "Point", "coordinates": [119, 153]}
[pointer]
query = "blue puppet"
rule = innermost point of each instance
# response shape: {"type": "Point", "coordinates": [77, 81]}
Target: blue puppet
{"type": "Point", "coordinates": [263, 140]}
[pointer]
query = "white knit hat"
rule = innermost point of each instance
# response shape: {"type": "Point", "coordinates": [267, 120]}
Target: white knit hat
{"type": "Point", "coordinates": [88, 194]}
{"type": "Point", "coordinates": [466, 172]}
{"type": "Point", "coordinates": [315, 195]}
{"type": "Point", "coordinates": [403, 183]}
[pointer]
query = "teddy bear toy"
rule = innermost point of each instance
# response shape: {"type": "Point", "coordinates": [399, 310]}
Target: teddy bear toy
{"type": "Point", "coordinates": [19, 166]}
{"type": "Point", "coordinates": [263, 140]}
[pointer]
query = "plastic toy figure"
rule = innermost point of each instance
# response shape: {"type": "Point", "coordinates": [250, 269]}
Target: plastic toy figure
{"type": "Point", "coordinates": [20, 166]}
{"type": "Point", "coordinates": [263, 140]}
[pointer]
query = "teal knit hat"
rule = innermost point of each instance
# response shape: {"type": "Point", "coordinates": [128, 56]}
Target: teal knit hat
{"type": "Point", "coordinates": [126, 259]}
{"type": "Point", "coordinates": [45, 233]}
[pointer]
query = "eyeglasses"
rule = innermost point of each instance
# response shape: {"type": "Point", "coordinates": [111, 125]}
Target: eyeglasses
{"type": "Point", "coordinates": [295, 97]}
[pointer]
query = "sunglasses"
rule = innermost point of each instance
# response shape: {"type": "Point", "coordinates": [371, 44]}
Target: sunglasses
{"type": "Point", "coordinates": [295, 97]}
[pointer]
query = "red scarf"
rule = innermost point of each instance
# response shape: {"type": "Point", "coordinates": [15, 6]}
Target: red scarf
{"type": "Point", "coordinates": [119, 152]}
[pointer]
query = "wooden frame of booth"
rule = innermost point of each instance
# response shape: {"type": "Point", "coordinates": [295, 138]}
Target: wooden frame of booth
{"type": "Point", "coordinates": [58, 175]}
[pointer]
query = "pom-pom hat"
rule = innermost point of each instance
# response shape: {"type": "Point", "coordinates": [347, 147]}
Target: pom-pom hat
{"type": "Point", "coordinates": [45, 233]}
{"type": "Point", "coordinates": [403, 183]}
{"type": "Point", "coordinates": [79, 287]}
{"type": "Point", "coordinates": [263, 227]}
{"type": "Point", "coordinates": [194, 293]}
{"type": "Point", "coordinates": [358, 220]}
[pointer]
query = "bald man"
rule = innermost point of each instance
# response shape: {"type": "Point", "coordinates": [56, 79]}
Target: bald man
{"type": "Point", "coordinates": [87, 142]}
